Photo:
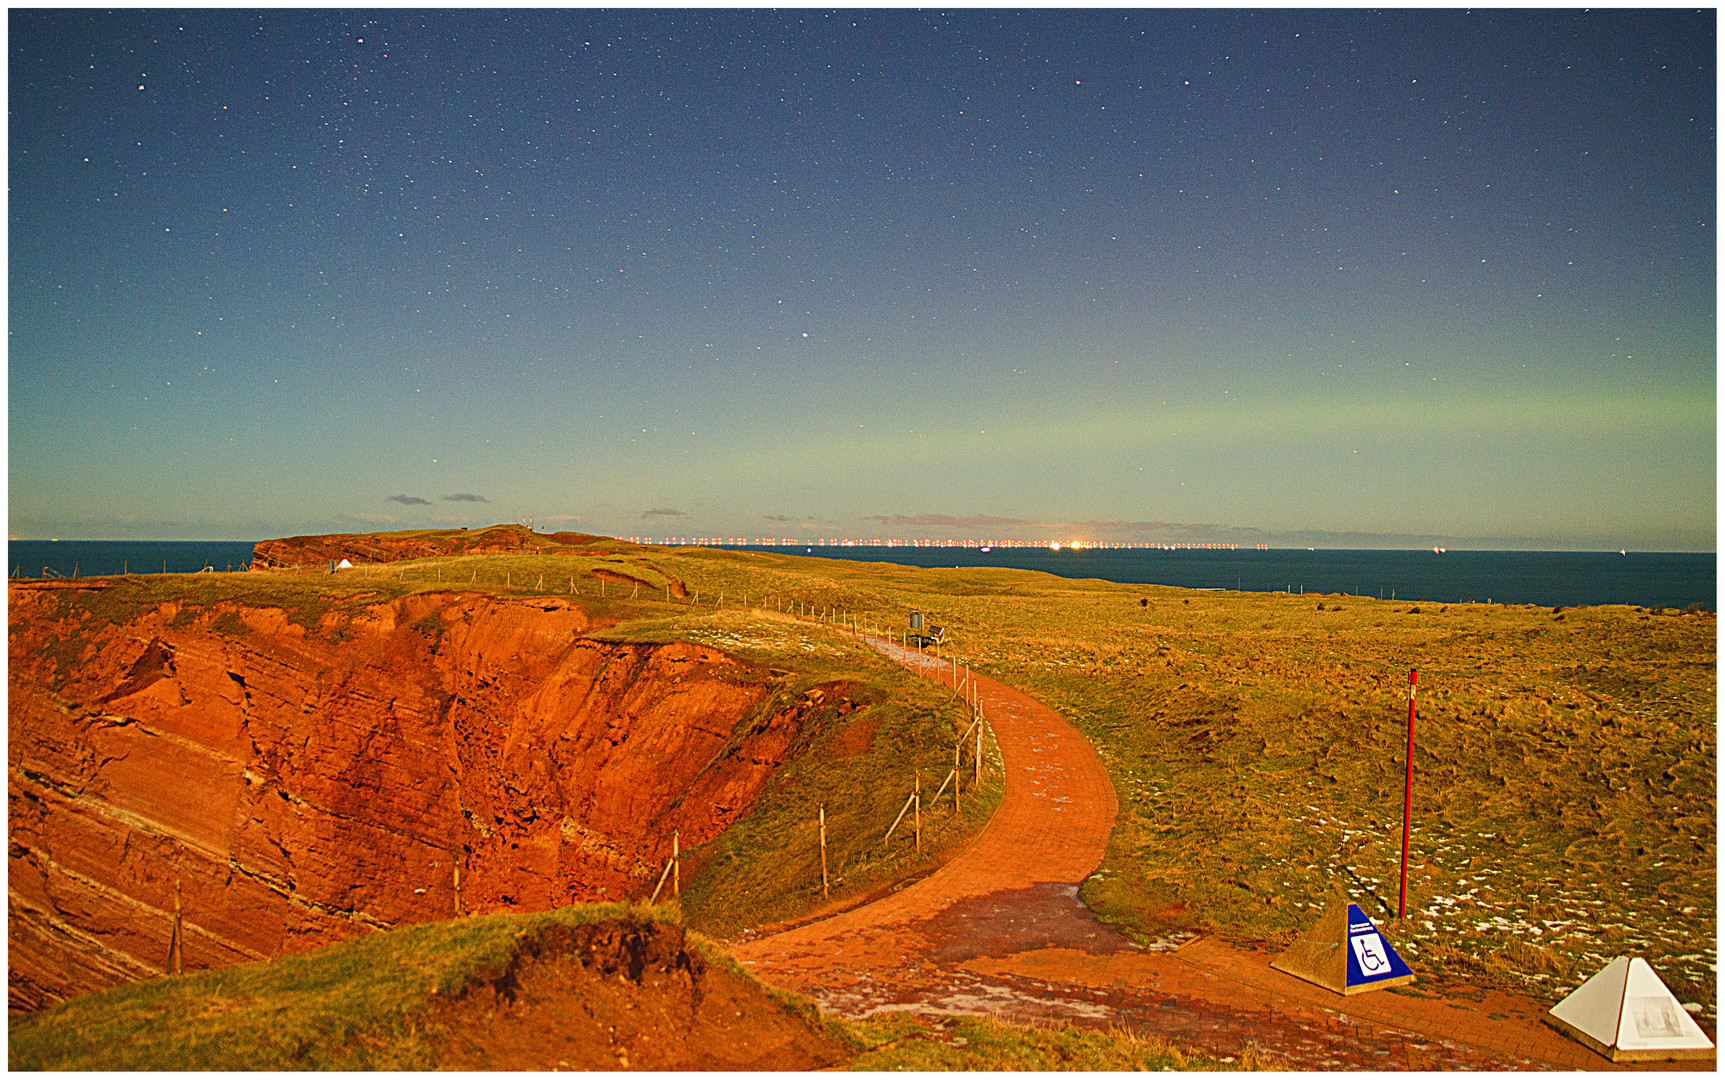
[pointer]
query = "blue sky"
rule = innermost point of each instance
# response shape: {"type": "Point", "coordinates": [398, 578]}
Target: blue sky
{"type": "Point", "coordinates": [1378, 277]}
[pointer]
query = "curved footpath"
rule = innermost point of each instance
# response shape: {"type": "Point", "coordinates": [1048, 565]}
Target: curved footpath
{"type": "Point", "coordinates": [999, 931]}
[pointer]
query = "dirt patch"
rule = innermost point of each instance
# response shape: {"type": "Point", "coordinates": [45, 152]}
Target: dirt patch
{"type": "Point", "coordinates": [617, 995]}
{"type": "Point", "coordinates": [858, 736]}
{"type": "Point", "coordinates": [624, 579]}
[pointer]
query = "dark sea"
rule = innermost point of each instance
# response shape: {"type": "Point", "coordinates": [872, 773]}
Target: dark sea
{"type": "Point", "coordinates": [86, 558]}
{"type": "Point", "coordinates": [1548, 578]}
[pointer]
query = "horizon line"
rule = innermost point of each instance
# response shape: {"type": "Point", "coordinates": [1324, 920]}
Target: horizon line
{"type": "Point", "coordinates": [971, 543]}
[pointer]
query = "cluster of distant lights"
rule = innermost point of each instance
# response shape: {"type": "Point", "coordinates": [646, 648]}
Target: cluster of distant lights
{"type": "Point", "coordinates": [980, 545]}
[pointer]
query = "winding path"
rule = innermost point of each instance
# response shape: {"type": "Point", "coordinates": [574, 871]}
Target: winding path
{"type": "Point", "coordinates": [999, 931]}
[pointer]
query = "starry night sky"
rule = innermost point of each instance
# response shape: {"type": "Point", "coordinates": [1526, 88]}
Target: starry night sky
{"type": "Point", "coordinates": [1288, 276]}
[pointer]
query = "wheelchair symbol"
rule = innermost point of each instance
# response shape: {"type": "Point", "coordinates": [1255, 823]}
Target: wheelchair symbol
{"type": "Point", "coordinates": [1372, 956]}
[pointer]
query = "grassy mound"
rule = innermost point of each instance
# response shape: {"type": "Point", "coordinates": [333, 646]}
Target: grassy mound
{"type": "Point", "coordinates": [588, 987]}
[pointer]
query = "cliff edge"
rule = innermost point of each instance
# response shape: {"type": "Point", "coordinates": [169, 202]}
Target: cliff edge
{"type": "Point", "coordinates": [285, 777]}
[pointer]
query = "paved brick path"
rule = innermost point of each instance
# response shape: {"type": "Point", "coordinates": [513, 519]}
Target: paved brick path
{"type": "Point", "coordinates": [999, 931]}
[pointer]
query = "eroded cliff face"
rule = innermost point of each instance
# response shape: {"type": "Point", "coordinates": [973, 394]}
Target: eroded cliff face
{"type": "Point", "coordinates": [308, 781]}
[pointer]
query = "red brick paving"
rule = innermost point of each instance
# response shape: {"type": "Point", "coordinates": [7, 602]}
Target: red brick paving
{"type": "Point", "coordinates": [999, 931]}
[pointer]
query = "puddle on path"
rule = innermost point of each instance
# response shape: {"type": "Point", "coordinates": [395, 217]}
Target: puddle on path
{"type": "Point", "coordinates": [1046, 915]}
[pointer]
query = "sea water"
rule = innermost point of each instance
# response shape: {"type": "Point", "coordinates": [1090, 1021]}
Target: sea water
{"type": "Point", "coordinates": [88, 558]}
{"type": "Point", "coordinates": [1548, 578]}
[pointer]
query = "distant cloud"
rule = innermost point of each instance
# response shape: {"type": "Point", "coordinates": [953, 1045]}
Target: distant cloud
{"type": "Point", "coordinates": [465, 497]}
{"type": "Point", "coordinates": [663, 512]}
{"type": "Point", "coordinates": [409, 500]}
{"type": "Point", "coordinates": [774, 517]}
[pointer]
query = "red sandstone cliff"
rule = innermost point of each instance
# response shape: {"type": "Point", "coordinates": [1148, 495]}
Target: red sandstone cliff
{"type": "Point", "coordinates": [307, 783]}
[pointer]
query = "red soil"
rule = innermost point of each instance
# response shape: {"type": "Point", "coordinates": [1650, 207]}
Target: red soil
{"type": "Point", "coordinates": [308, 785]}
{"type": "Point", "coordinates": [618, 996]}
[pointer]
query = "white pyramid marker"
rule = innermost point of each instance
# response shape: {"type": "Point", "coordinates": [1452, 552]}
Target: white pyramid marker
{"type": "Point", "coordinates": [1626, 1013]}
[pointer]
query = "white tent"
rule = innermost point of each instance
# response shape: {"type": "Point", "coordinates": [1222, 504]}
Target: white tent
{"type": "Point", "coordinates": [344, 565]}
{"type": "Point", "coordinates": [1626, 1013]}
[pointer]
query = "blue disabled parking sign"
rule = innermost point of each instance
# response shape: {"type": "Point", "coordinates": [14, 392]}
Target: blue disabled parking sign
{"type": "Point", "coordinates": [1370, 958]}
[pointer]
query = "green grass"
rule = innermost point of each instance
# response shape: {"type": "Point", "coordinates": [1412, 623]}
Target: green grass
{"type": "Point", "coordinates": [361, 1004]}
{"type": "Point", "coordinates": [766, 867]}
{"type": "Point", "coordinates": [899, 1043]}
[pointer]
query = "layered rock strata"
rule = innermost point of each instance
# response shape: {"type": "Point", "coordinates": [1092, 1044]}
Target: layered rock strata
{"type": "Point", "coordinates": [306, 782]}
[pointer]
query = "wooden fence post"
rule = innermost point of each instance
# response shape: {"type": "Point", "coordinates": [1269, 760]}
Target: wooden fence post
{"type": "Point", "coordinates": [174, 946]}
{"type": "Point", "coordinates": [956, 747]}
{"type": "Point", "coordinates": [918, 797]}
{"type": "Point", "coordinates": [457, 863]}
{"type": "Point", "coordinates": [979, 757]}
{"type": "Point", "coordinates": [824, 892]}
{"type": "Point", "coordinates": [902, 812]}
{"type": "Point", "coordinates": [654, 899]}
{"type": "Point", "coordinates": [676, 864]}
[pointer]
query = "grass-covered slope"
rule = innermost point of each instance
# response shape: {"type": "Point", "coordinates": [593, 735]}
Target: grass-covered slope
{"type": "Point", "coordinates": [414, 998]}
{"type": "Point", "coordinates": [591, 988]}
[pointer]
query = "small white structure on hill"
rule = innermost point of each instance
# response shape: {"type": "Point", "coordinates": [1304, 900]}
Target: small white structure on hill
{"type": "Point", "coordinates": [1626, 1013]}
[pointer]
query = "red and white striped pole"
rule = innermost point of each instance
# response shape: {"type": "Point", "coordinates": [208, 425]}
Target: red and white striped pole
{"type": "Point", "coordinates": [1408, 799]}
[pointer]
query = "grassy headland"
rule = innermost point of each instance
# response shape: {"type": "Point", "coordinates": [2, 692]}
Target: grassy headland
{"type": "Point", "coordinates": [1565, 760]}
